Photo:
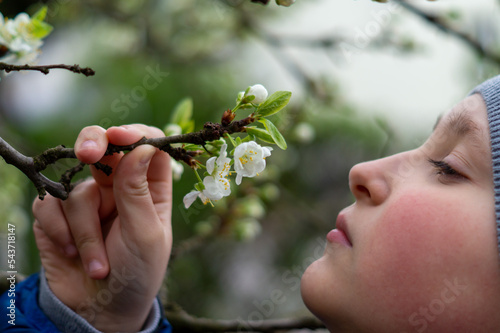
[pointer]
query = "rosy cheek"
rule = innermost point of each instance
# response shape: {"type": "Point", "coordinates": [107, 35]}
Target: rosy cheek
{"type": "Point", "coordinates": [408, 246]}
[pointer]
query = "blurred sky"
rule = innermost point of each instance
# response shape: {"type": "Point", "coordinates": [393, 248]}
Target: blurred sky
{"type": "Point", "coordinates": [410, 90]}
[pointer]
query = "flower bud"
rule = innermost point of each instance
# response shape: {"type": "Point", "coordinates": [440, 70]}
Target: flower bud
{"type": "Point", "coordinates": [304, 132]}
{"type": "Point", "coordinates": [204, 228]}
{"type": "Point", "coordinates": [3, 50]}
{"type": "Point", "coordinates": [269, 192]}
{"type": "Point", "coordinates": [247, 229]}
{"type": "Point", "coordinates": [251, 206]}
{"type": "Point", "coordinates": [259, 93]}
{"type": "Point", "coordinates": [227, 117]}
{"type": "Point", "coordinates": [177, 169]}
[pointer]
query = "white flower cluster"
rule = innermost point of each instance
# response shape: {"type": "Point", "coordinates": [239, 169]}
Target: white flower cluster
{"type": "Point", "coordinates": [249, 161]}
{"type": "Point", "coordinates": [21, 37]}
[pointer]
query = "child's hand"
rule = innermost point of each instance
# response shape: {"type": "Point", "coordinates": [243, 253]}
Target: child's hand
{"type": "Point", "coordinates": [105, 249]}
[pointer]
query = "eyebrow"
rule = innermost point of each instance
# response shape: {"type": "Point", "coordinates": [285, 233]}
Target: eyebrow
{"type": "Point", "coordinates": [460, 124]}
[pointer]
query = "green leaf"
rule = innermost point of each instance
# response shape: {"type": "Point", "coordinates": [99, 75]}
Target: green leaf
{"type": "Point", "coordinates": [249, 138]}
{"type": "Point", "coordinates": [250, 98]}
{"type": "Point", "coordinates": [231, 140]}
{"type": "Point", "coordinates": [275, 134]}
{"type": "Point", "coordinates": [274, 103]}
{"type": "Point", "coordinates": [40, 29]}
{"type": "Point", "coordinates": [183, 112]}
{"type": "Point", "coordinates": [40, 14]}
{"type": "Point", "coordinates": [241, 94]}
{"type": "Point", "coordinates": [192, 146]}
{"type": "Point", "coordinates": [199, 186]}
{"type": "Point", "coordinates": [259, 133]}
{"type": "Point", "coordinates": [188, 126]}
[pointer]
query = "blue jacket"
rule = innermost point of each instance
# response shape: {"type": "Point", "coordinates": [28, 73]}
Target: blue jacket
{"type": "Point", "coordinates": [20, 311]}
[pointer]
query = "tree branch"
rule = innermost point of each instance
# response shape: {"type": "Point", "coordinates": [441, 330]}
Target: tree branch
{"type": "Point", "coordinates": [443, 26]}
{"type": "Point", "coordinates": [182, 321]}
{"type": "Point", "coordinates": [32, 166]}
{"type": "Point", "coordinates": [31, 169]}
{"type": "Point", "coordinates": [46, 68]}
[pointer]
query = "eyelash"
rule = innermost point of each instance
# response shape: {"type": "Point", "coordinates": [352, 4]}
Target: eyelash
{"type": "Point", "coordinates": [444, 169]}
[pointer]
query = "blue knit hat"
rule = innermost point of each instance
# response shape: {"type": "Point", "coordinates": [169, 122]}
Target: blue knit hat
{"type": "Point", "coordinates": [490, 90]}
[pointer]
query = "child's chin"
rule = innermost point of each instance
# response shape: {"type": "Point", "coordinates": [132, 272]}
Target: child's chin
{"type": "Point", "coordinates": [312, 288]}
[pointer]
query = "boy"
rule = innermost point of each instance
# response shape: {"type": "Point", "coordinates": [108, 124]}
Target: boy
{"type": "Point", "coordinates": [417, 251]}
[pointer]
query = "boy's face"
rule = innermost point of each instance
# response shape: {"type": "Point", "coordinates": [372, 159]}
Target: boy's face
{"type": "Point", "coordinates": [424, 252]}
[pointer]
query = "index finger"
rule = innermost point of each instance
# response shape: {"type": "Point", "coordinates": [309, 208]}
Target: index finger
{"type": "Point", "coordinates": [91, 144]}
{"type": "Point", "coordinates": [128, 134]}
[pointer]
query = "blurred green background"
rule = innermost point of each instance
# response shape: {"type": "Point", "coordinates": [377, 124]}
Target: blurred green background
{"type": "Point", "coordinates": [367, 79]}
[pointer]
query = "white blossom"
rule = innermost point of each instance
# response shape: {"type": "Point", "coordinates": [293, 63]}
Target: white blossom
{"type": "Point", "coordinates": [259, 92]}
{"type": "Point", "coordinates": [216, 183]}
{"type": "Point", "coordinates": [250, 159]}
{"type": "Point", "coordinates": [22, 38]}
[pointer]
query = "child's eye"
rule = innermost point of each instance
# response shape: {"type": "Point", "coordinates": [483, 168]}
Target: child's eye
{"type": "Point", "coordinates": [444, 169]}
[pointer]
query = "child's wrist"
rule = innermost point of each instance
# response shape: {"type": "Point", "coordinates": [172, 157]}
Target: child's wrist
{"type": "Point", "coordinates": [145, 320]}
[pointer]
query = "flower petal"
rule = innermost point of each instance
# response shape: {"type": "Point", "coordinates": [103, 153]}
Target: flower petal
{"type": "Point", "coordinates": [212, 190]}
{"type": "Point", "coordinates": [239, 176]}
{"type": "Point", "coordinates": [211, 164]}
{"type": "Point", "coordinates": [223, 152]}
{"type": "Point", "coordinates": [190, 198]}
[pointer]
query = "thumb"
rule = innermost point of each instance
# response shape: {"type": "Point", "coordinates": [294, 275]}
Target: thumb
{"type": "Point", "coordinates": [134, 202]}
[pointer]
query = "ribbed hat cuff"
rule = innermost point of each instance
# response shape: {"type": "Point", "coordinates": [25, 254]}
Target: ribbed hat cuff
{"type": "Point", "coordinates": [490, 91]}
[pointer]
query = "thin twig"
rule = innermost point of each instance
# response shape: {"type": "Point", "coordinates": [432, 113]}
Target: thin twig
{"type": "Point", "coordinates": [443, 26]}
{"type": "Point", "coordinates": [45, 69]}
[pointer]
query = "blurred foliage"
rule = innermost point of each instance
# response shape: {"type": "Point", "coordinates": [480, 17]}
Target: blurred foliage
{"type": "Point", "coordinates": [263, 236]}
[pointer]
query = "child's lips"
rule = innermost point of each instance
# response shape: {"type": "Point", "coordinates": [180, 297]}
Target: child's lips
{"type": "Point", "coordinates": [340, 234]}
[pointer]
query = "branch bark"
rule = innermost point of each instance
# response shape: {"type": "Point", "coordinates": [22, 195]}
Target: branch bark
{"type": "Point", "coordinates": [46, 68]}
{"type": "Point", "coordinates": [30, 167]}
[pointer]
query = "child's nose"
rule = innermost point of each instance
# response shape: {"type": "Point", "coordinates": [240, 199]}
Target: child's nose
{"type": "Point", "coordinates": [368, 181]}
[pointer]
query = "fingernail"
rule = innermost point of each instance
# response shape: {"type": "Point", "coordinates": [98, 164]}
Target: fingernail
{"type": "Point", "coordinates": [95, 266]}
{"type": "Point", "coordinates": [88, 144]}
{"type": "Point", "coordinates": [70, 250]}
